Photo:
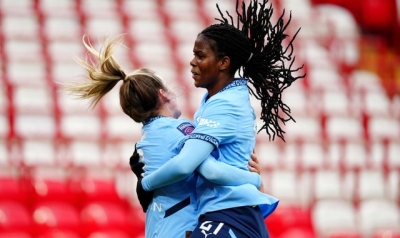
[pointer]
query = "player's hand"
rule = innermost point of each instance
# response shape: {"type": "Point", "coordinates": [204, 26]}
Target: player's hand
{"type": "Point", "coordinates": [254, 165]}
{"type": "Point", "coordinates": [145, 197]}
{"type": "Point", "coordinates": [136, 166]}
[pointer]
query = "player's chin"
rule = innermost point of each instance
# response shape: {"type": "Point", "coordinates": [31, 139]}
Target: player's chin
{"type": "Point", "coordinates": [198, 84]}
{"type": "Point", "coordinates": [177, 114]}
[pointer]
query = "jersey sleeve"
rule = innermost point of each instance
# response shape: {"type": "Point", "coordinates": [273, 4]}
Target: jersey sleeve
{"type": "Point", "coordinates": [217, 124]}
{"type": "Point", "coordinates": [225, 174]}
{"type": "Point", "coordinates": [193, 153]}
{"type": "Point", "coordinates": [179, 134]}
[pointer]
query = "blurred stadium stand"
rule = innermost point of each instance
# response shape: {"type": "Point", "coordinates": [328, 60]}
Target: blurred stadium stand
{"type": "Point", "coordinates": [64, 168]}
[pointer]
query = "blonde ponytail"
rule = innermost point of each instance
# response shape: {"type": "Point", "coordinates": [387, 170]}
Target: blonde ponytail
{"type": "Point", "coordinates": [102, 76]}
{"type": "Point", "coordinates": [138, 94]}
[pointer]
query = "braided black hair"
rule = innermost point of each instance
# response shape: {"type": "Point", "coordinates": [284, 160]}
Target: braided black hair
{"type": "Point", "coordinates": [254, 46]}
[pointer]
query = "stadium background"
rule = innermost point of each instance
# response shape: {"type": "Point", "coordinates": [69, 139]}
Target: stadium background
{"type": "Point", "coordinates": [64, 169]}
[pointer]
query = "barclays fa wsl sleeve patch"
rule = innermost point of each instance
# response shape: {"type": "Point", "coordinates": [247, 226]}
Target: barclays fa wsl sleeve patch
{"type": "Point", "coordinates": [186, 128]}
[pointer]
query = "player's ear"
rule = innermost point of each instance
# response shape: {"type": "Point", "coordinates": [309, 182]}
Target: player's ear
{"type": "Point", "coordinates": [225, 63]}
{"type": "Point", "coordinates": [164, 96]}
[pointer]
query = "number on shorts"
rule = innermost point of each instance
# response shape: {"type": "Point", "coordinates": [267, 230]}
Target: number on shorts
{"type": "Point", "coordinates": [206, 226]}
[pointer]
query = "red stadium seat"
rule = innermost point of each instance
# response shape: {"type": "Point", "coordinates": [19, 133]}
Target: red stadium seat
{"type": "Point", "coordinates": [56, 217]}
{"type": "Point", "coordinates": [378, 16]}
{"type": "Point", "coordinates": [14, 217]}
{"type": "Point", "coordinates": [345, 234]}
{"type": "Point", "coordinates": [103, 216]}
{"type": "Point", "coordinates": [387, 233]}
{"type": "Point", "coordinates": [298, 233]}
{"type": "Point", "coordinates": [136, 221]}
{"type": "Point", "coordinates": [13, 189]}
{"type": "Point", "coordinates": [291, 219]}
{"type": "Point", "coordinates": [96, 189]}
{"type": "Point", "coordinates": [60, 234]}
{"type": "Point", "coordinates": [52, 189]}
{"type": "Point", "coordinates": [109, 234]}
{"type": "Point", "coordinates": [15, 234]}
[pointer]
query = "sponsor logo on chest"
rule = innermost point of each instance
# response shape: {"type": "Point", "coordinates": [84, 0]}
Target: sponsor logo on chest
{"type": "Point", "coordinates": [207, 122]}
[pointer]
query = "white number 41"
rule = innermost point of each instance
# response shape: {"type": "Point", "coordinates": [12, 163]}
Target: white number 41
{"type": "Point", "coordinates": [206, 227]}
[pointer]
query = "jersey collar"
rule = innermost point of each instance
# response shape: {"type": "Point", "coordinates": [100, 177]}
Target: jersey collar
{"type": "Point", "coordinates": [151, 119]}
{"type": "Point", "coordinates": [235, 83]}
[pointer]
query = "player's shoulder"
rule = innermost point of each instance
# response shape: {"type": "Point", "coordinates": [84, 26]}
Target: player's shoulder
{"type": "Point", "coordinates": [181, 126]}
{"type": "Point", "coordinates": [184, 126]}
{"type": "Point", "coordinates": [231, 93]}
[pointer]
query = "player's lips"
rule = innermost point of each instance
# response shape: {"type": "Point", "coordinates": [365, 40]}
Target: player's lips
{"type": "Point", "coordinates": [194, 74]}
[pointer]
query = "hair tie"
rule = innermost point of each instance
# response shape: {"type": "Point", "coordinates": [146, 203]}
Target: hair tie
{"type": "Point", "coordinates": [251, 55]}
{"type": "Point", "coordinates": [126, 78]}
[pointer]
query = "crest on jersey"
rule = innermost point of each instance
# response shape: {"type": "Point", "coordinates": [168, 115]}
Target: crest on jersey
{"type": "Point", "coordinates": [186, 128]}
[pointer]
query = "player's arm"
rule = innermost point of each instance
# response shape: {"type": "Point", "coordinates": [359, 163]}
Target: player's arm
{"type": "Point", "coordinates": [193, 153]}
{"type": "Point", "coordinates": [224, 174]}
{"type": "Point", "coordinates": [197, 148]}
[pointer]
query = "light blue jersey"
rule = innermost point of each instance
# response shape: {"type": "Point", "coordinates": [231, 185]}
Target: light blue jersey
{"type": "Point", "coordinates": [173, 209]}
{"type": "Point", "coordinates": [227, 120]}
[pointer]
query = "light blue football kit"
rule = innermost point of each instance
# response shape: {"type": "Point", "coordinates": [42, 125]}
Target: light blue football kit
{"type": "Point", "coordinates": [174, 208]}
{"type": "Point", "coordinates": [225, 121]}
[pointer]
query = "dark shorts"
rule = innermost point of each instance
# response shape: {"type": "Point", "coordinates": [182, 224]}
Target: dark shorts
{"type": "Point", "coordinates": [239, 222]}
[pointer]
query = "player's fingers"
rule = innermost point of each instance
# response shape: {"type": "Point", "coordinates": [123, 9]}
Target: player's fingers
{"type": "Point", "coordinates": [254, 167]}
{"type": "Point", "coordinates": [254, 157]}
